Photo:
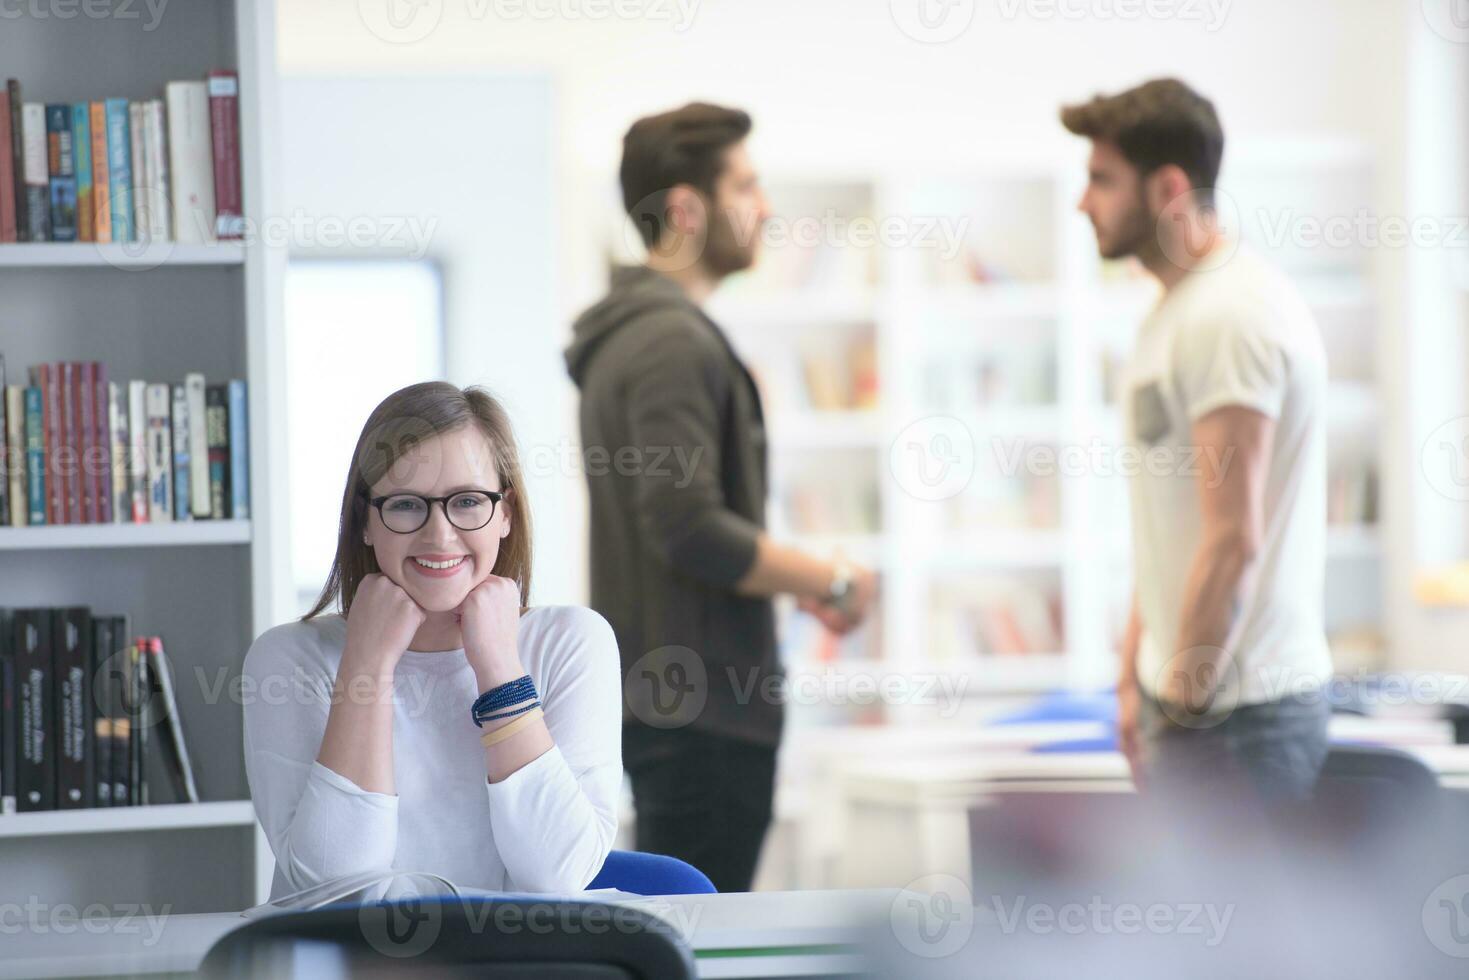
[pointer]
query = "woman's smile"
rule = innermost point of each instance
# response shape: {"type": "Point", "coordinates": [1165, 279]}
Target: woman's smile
{"type": "Point", "coordinates": [438, 565]}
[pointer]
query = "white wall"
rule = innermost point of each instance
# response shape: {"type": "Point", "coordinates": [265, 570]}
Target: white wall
{"type": "Point", "coordinates": [836, 84]}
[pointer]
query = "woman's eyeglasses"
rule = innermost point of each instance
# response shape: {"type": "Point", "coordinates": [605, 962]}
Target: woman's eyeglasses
{"type": "Point", "coordinates": [468, 510]}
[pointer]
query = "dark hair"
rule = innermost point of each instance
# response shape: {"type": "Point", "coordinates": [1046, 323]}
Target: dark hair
{"type": "Point", "coordinates": [681, 146]}
{"type": "Point", "coordinates": [1157, 123]}
{"type": "Point", "coordinates": [403, 421]}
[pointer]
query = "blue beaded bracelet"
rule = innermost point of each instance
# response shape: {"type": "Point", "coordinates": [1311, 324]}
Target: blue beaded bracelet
{"type": "Point", "coordinates": [511, 714]}
{"type": "Point", "coordinates": [507, 695]}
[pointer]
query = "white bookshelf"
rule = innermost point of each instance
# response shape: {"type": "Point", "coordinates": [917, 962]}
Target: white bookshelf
{"type": "Point", "coordinates": [1052, 310]}
{"type": "Point", "coordinates": [207, 587]}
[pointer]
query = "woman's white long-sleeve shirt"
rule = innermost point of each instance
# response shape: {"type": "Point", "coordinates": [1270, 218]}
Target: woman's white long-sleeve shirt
{"type": "Point", "coordinates": [546, 828]}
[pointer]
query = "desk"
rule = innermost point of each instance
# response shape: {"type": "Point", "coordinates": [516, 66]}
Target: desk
{"type": "Point", "coordinates": [910, 818]}
{"type": "Point", "coordinates": [750, 934]}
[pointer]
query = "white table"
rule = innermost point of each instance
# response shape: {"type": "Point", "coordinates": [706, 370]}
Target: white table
{"type": "Point", "coordinates": [748, 934]}
{"type": "Point", "coordinates": [909, 818]}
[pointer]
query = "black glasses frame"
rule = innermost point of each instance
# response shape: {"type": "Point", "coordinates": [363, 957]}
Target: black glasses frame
{"type": "Point", "coordinates": [495, 496]}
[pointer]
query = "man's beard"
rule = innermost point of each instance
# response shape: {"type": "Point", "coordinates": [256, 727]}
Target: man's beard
{"type": "Point", "coordinates": [1138, 237]}
{"type": "Point", "coordinates": [728, 250]}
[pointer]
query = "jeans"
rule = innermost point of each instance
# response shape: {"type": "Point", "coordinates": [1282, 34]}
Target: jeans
{"type": "Point", "coordinates": [1273, 751]}
{"type": "Point", "coordinates": [705, 799]}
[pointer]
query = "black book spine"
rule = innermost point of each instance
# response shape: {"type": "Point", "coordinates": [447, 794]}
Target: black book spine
{"type": "Point", "coordinates": [141, 721]}
{"type": "Point", "coordinates": [118, 673]}
{"type": "Point", "coordinates": [70, 632]}
{"type": "Point", "coordinates": [17, 152]}
{"type": "Point", "coordinates": [9, 730]}
{"type": "Point", "coordinates": [101, 709]}
{"type": "Point", "coordinates": [36, 770]}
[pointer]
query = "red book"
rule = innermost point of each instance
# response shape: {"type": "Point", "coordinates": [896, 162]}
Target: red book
{"type": "Point", "coordinates": [102, 445]}
{"type": "Point", "coordinates": [224, 127]}
{"type": "Point", "coordinates": [86, 393]}
{"type": "Point", "coordinates": [70, 449]}
{"type": "Point", "coordinates": [7, 175]}
{"type": "Point", "coordinates": [47, 378]}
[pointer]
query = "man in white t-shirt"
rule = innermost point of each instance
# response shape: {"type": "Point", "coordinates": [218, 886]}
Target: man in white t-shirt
{"type": "Point", "coordinates": [1223, 400]}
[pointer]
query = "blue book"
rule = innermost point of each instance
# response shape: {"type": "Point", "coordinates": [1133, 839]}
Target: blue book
{"type": "Point", "coordinates": [239, 452]}
{"type": "Point", "coordinates": [182, 511]}
{"type": "Point", "coordinates": [120, 169]}
{"type": "Point", "coordinates": [81, 145]}
{"type": "Point", "coordinates": [35, 458]}
{"type": "Point", "coordinates": [61, 160]}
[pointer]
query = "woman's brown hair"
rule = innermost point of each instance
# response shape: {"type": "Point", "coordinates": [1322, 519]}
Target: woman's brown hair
{"type": "Point", "coordinates": [403, 421]}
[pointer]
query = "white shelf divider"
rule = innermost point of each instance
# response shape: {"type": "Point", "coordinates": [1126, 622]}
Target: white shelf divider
{"type": "Point", "coordinates": [42, 255]}
{"type": "Point", "coordinates": [177, 534]}
{"type": "Point", "coordinates": [128, 819]}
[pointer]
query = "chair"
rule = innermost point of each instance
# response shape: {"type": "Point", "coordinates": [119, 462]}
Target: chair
{"type": "Point", "coordinates": [651, 874]}
{"type": "Point", "coordinates": [453, 938]}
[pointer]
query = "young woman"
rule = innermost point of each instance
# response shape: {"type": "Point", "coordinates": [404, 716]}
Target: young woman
{"type": "Point", "coordinates": [436, 724]}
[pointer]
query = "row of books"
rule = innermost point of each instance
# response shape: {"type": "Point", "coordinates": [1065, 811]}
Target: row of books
{"type": "Point", "coordinates": [995, 619]}
{"type": "Point", "coordinates": [115, 170]}
{"type": "Point", "coordinates": [80, 449]}
{"type": "Point", "coordinates": [81, 700]}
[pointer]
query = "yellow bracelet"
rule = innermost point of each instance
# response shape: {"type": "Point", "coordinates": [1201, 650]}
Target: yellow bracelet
{"type": "Point", "coordinates": [504, 732]}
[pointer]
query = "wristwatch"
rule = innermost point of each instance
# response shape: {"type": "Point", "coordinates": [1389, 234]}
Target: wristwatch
{"type": "Point", "coordinates": [843, 589]}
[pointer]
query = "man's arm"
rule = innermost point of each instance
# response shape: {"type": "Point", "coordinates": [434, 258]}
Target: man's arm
{"type": "Point", "coordinates": [1238, 441]}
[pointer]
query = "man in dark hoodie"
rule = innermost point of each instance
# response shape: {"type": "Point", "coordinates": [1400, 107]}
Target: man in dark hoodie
{"type": "Point", "coordinates": [673, 438]}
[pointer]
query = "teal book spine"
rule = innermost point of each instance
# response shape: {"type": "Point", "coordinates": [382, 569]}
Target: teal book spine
{"type": "Point", "coordinates": [35, 459]}
{"type": "Point", "coordinates": [120, 169]}
{"type": "Point", "coordinates": [81, 144]}
{"type": "Point", "coordinates": [239, 452]}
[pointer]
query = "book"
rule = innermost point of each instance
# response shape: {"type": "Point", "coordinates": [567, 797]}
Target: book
{"type": "Point", "coordinates": [120, 169]}
{"type": "Point", "coordinates": [8, 225]}
{"type": "Point", "coordinates": [216, 421]}
{"type": "Point", "coordinates": [122, 443]}
{"type": "Point", "coordinates": [35, 777]}
{"type": "Point", "coordinates": [142, 220]}
{"type": "Point", "coordinates": [101, 174]}
{"type": "Point", "coordinates": [37, 183]}
{"type": "Point", "coordinates": [61, 167]}
{"type": "Point", "coordinates": [182, 511]}
{"type": "Point", "coordinates": [8, 445]}
{"type": "Point", "coordinates": [86, 402]}
{"type": "Point", "coordinates": [100, 650]}
{"type": "Point", "coordinates": [45, 378]}
{"type": "Point", "coordinates": [155, 156]}
{"type": "Point", "coordinates": [239, 451]}
{"type": "Point", "coordinates": [69, 447]}
{"type": "Point", "coordinates": [138, 450]}
{"type": "Point", "coordinates": [224, 127]}
{"type": "Point", "coordinates": [9, 728]}
{"type": "Point", "coordinates": [175, 749]}
{"type": "Point", "coordinates": [17, 453]}
{"type": "Point", "coordinates": [71, 629]}
{"type": "Point", "coordinates": [81, 142]}
{"type": "Point", "coordinates": [100, 463]}
{"type": "Point", "coordinates": [191, 165]}
{"type": "Point", "coordinates": [138, 723]}
{"type": "Point", "coordinates": [160, 453]}
{"type": "Point", "coordinates": [199, 497]}
{"type": "Point", "coordinates": [17, 159]}
{"type": "Point", "coordinates": [36, 495]}
{"type": "Point", "coordinates": [119, 713]}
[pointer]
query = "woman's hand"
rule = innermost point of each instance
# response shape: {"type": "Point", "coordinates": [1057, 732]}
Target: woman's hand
{"type": "Point", "coordinates": [489, 618]}
{"type": "Point", "coordinates": [1129, 734]}
{"type": "Point", "coordinates": [381, 624]}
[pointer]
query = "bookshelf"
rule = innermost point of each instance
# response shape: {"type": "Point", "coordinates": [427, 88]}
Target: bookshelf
{"type": "Point", "coordinates": [1018, 335]}
{"type": "Point", "coordinates": [207, 587]}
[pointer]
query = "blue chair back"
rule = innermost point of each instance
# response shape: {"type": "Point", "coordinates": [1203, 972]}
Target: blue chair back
{"type": "Point", "coordinates": [651, 874]}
